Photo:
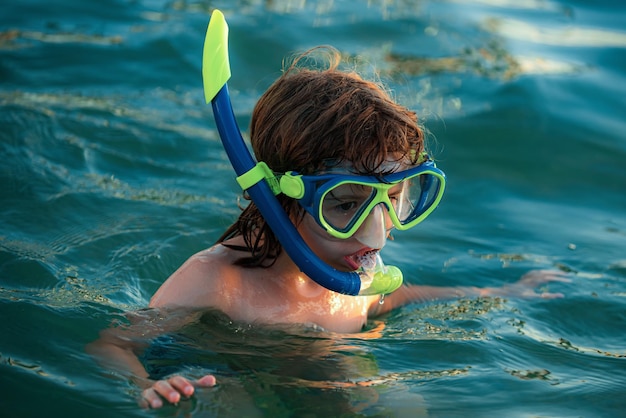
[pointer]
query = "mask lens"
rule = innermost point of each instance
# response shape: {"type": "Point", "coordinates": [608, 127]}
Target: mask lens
{"type": "Point", "coordinates": [342, 205]}
{"type": "Point", "coordinates": [416, 197]}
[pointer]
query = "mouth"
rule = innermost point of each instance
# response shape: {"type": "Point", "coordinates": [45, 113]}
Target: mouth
{"type": "Point", "coordinates": [365, 258]}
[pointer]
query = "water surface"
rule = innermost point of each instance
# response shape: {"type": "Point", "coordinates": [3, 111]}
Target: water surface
{"type": "Point", "coordinates": [112, 175]}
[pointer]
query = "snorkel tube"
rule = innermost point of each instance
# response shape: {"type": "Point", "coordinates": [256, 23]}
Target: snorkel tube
{"type": "Point", "coordinates": [255, 178]}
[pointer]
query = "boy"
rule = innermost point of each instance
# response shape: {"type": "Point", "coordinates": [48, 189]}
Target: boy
{"type": "Point", "coordinates": [319, 123]}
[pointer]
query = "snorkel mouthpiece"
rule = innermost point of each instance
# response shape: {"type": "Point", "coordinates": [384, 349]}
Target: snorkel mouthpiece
{"type": "Point", "coordinates": [378, 279]}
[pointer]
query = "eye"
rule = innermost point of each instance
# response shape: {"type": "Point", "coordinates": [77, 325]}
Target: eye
{"type": "Point", "coordinates": [396, 194]}
{"type": "Point", "coordinates": [339, 212]}
{"type": "Point", "coordinates": [346, 206]}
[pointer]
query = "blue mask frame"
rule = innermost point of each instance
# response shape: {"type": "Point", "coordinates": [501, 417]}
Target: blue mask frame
{"type": "Point", "coordinates": [311, 189]}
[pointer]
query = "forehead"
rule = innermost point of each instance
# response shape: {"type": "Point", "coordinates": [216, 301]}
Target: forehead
{"type": "Point", "coordinates": [388, 166]}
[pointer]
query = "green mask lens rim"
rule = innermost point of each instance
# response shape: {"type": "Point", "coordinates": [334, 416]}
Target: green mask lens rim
{"type": "Point", "coordinates": [304, 189]}
{"type": "Point", "coordinates": [381, 196]}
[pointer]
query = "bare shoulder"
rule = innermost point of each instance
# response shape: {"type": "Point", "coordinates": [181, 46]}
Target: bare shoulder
{"type": "Point", "coordinates": [200, 282]}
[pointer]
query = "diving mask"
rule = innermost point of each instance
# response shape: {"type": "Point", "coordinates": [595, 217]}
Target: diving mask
{"type": "Point", "coordinates": [341, 203]}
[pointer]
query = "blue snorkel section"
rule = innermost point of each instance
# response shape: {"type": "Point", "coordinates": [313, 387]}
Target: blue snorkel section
{"type": "Point", "coordinates": [216, 72]}
{"type": "Point", "coordinates": [342, 282]}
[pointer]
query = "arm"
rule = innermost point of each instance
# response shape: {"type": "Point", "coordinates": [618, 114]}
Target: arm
{"type": "Point", "coordinates": [178, 302]}
{"type": "Point", "coordinates": [118, 349]}
{"type": "Point", "coordinates": [523, 288]}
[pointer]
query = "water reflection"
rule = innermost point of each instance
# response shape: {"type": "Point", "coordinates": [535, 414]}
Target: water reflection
{"type": "Point", "coordinates": [278, 370]}
{"type": "Point", "coordinates": [567, 36]}
{"type": "Point", "coordinates": [16, 38]}
{"type": "Point", "coordinates": [493, 60]}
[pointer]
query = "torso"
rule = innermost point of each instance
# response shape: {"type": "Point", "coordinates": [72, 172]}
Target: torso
{"type": "Point", "coordinates": [280, 294]}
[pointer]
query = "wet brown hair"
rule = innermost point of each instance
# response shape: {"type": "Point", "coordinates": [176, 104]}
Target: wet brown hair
{"type": "Point", "coordinates": [311, 116]}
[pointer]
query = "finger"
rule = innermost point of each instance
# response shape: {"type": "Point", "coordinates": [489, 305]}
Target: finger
{"type": "Point", "coordinates": [561, 279]}
{"type": "Point", "coordinates": [547, 295]}
{"type": "Point", "coordinates": [182, 385]}
{"type": "Point", "coordinates": [206, 381]}
{"type": "Point", "coordinates": [554, 275]}
{"type": "Point", "coordinates": [537, 277]}
{"type": "Point", "coordinates": [165, 389]}
{"type": "Point", "coordinates": [150, 399]}
{"type": "Point", "coordinates": [546, 279]}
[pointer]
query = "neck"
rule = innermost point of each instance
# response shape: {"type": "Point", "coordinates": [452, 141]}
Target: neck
{"type": "Point", "coordinates": [289, 275]}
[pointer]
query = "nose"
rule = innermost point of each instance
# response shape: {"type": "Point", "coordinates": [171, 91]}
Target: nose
{"type": "Point", "coordinates": [373, 233]}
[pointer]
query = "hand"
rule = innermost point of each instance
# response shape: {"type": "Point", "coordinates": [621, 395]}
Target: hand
{"type": "Point", "coordinates": [525, 287]}
{"type": "Point", "coordinates": [172, 390]}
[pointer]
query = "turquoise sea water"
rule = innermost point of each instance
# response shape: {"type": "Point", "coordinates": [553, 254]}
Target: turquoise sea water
{"type": "Point", "coordinates": [112, 174]}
